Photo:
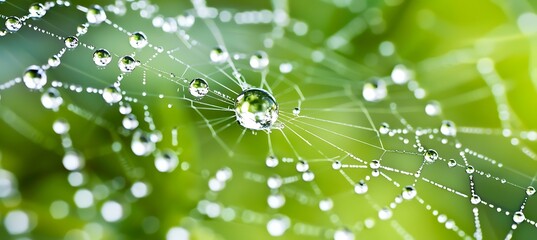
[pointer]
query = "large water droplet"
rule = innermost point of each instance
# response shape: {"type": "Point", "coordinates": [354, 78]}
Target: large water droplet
{"type": "Point", "coordinates": [130, 122]}
{"type": "Point", "coordinates": [34, 77]}
{"type": "Point", "coordinates": [37, 10]}
{"type": "Point", "coordinates": [430, 156]}
{"type": "Point", "coordinates": [448, 128]}
{"type": "Point", "coordinates": [259, 60]}
{"type": "Point", "coordinates": [166, 161]}
{"type": "Point", "coordinates": [198, 87]}
{"type": "Point", "coordinates": [218, 55]}
{"type": "Point", "coordinates": [142, 144]}
{"type": "Point", "coordinates": [51, 99]}
{"type": "Point", "coordinates": [54, 61]}
{"type": "Point", "coordinates": [101, 57]}
{"type": "Point", "coordinates": [127, 64]}
{"type": "Point", "coordinates": [71, 42]}
{"type": "Point", "coordinates": [375, 90]}
{"type": "Point", "coordinates": [256, 109]}
{"type": "Point", "coordinates": [112, 94]}
{"type": "Point", "coordinates": [138, 40]}
{"type": "Point", "coordinates": [96, 14]}
{"type": "Point", "coordinates": [409, 192]}
{"type": "Point", "coordinates": [302, 166]}
{"type": "Point", "coordinates": [13, 24]}
{"type": "Point", "coordinates": [271, 161]}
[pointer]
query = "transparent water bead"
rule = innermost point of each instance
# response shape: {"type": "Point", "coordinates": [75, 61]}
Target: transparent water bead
{"type": "Point", "coordinates": [530, 191]}
{"type": "Point", "coordinates": [452, 163]}
{"type": "Point", "coordinates": [198, 87]}
{"type": "Point", "coordinates": [72, 160]}
{"type": "Point", "coordinates": [130, 122]}
{"type": "Point", "coordinates": [218, 55]}
{"type": "Point", "coordinates": [277, 226]}
{"type": "Point", "coordinates": [96, 15]}
{"type": "Point", "coordinates": [256, 109]}
{"type": "Point", "coordinates": [276, 200]}
{"type": "Point", "coordinates": [360, 187]}
{"type": "Point", "coordinates": [448, 128]}
{"type": "Point", "coordinates": [409, 192]}
{"type": "Point", "coordinates": [296, 111]}
{"type": "Point", "coordinates": [375, 90]}
{"type": "Point", "coordinates": [127, 64]}
{"type": "Point", "coordinates": [326, 204]}
{"type": "Point", "coordinates": [13, 24]}
{"type": "Point", "coordinates": [343, 234]}
{"type": "Point", "coordinates": [51, 99]}
{"type": "Point", "coordinates": [34, 77]}
{"type": "Point", "coordinates": [142, 144]}
{"type": "Point", "coordinates": [430, 156]}
{"type": "Point", "coordinates": [475, 199]}
{"type": "Point", "coordinates": [61, 126]}
{"type": "Point", "coordinates": [112, 94]}
{"type": "Point", "coordinates": [166, 161]}
{"type": "Point", "coordinates": [37, 10]}
{"type": "Point", "coordinates": [138, 40]}
{"type": "Point", "coordinates": [518, 217]}
{"type": "Point", "coordinates": [71, 42]}
{"type": "Point", "coordinates": [259, 60]}
{"type": "Point", "coordinates": [374, 164]}
{"type": "Point", "coordinates": [102, 57]}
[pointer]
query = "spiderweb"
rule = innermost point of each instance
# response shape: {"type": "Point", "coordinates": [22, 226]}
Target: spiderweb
{"type": "Point", "coordinates": [395, 120]}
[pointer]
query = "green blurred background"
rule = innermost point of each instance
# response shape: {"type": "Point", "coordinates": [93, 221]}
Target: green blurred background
{"type": "Point", "coordinates": [441, 41]}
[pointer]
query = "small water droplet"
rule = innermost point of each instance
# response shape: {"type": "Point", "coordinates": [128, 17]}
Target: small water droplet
{"type": "Point", "coordinates": [375, 90]}
{"type": "Point", "coordinates": [218, 55]}
{"type": "Point", "coordinates": [409, 192]}
{"type": "Point", "coordinates": [13, 24]}
{"type": "Point", "coordinates": [37, 10]}
{"type": "Point", "coordinates": [71, 42]}
{"type": "Point", "coordinates": [73, 161]}
{"type": "Point", "coordinates": [166, 161]}
{"type": "Point", "coordinates": [326, 204]}
{"type": "Point", "coordinates": [198, 87]}
{"type": "Point", "coordinates": [51, 99]}
{"type": "Point", "coordinates": [138, 40]}
{"type": "Point", "coordinates": [127, 64]}
{"type": "Point", "coordinates": [384, 128]}
{"type": "Point", "coordinates": [430, 156]}
{"type": "Point", "coordinates": [343, 234]}
{"type": "Point", "coordinates": [385, 213]}
{"type": "Point", "coordinates": [374, 164]}
{"type": "Point", "coordinates": [360, 187]}
{"type": "Point", "coordinates": [186, 20]}
{"type": "Point", "coordinates": [277, 226]}
{"type": "Point", "coordinates": [433, 108]}
{"type": "Point", "coordinates": [142, 144]}
{"type": "Point", "coordinates": [470, 169]}
{"type": "Point", "coordinates": [274, 182]}
{"type": "Point", "coordinates": [259, 60]}
{"type": "Point", "coordinates": [96, 15]}
{"type": "Point", "coordinates": [54, 61]}
{"type": "Point", "coordinates": [448, 128]}
{"type": "Point", "coordinates": [401, 74]}
{"type": "Point", "coordinates": [271, 161]}
{"type": "Point", "coordinates": [518, 217]}
{"type": "Point", "coordinates": [302, 166]}
{"type": "Point", "coordinates": [296, 111]}
{"type": "Point", "coordinates": [130, 122]}
{"type": "Point", "coordinates": [101, 57]}
{"type": "Point", "coordinates": [308, 176]}
{"type": "Point", "coordinates": [34, 77]}
{"type": "Point", "coordinates": [112, 94]}
{"type": "Point", "coordinates": [452, 163]}
{"type": "Point", "coordinates": [276, 200]}
{"type": "Point", "coordinates": [60, 126]}
{"type": "Point", "coordinates": [475, 199]}
{"type": "Point", "coordinates": [256, 109]}
{"type": "Point", "coordinates": [336, 165]}
{"type": "Point", "coordinates": [530, 191]}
